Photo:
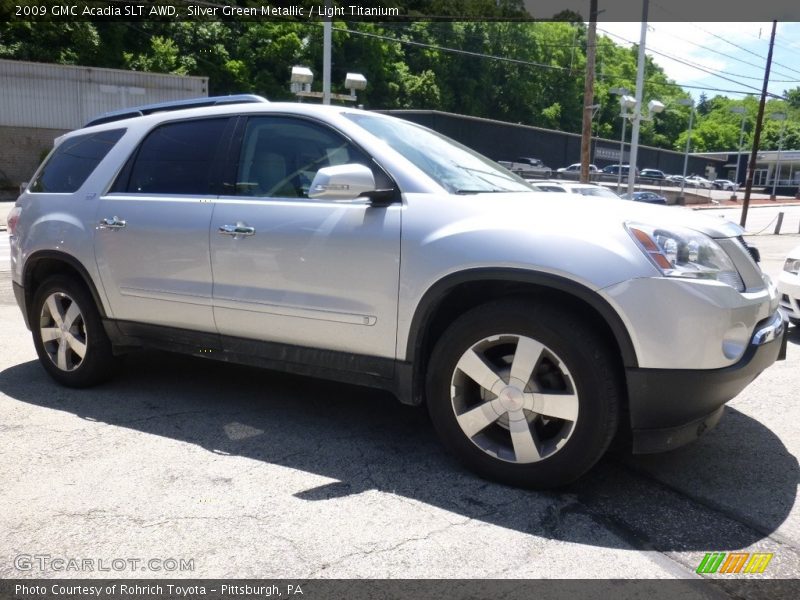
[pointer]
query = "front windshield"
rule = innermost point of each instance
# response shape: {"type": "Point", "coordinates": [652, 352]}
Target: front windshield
{"type": "Point", "coordinates": [455, 167]}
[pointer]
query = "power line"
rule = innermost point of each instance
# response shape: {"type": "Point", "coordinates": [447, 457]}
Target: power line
{"type": "Point", "coordinates": [435, 47]}
{"type": "Point", "coordinates": [739, 60]}
{"type": "Point", "coordinates": [727, 41]}
{"type": "Point", "coordinates": [454, 50]}
{"type": "Point", "coordinates": [695, 66]}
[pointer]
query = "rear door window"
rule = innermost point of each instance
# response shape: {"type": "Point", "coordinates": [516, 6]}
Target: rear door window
{"type": "Point", "coordinates": [73, 161]}
{"type": "Point", "coordinates": [176, 158]}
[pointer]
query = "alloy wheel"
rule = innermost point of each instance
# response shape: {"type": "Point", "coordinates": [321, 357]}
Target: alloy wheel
{"type": "Point", "coordinates": [514, 398]}
{"type": "Point", "coordinates": [63, 331]}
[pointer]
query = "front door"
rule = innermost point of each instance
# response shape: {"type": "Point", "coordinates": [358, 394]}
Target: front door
{"type": "Point", "coordinates": [292, 270]}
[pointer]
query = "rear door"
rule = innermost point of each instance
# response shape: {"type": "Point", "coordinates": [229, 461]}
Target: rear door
{"type": "Point", "coordinates": [151, 240]}
{"type": "Point", "coordinates": [317, 274]}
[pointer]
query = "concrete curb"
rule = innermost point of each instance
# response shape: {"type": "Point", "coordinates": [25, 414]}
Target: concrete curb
{"type": "Point", "coordinates": [771, 204]}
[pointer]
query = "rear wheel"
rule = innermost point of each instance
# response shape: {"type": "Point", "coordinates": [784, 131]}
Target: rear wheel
{"type": "Point", "coordinates": [522, 393]}
{"type": "Point", "coordinates": [68, 334]}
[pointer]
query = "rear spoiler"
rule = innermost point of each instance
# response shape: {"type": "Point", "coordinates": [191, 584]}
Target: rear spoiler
{"type": "Point", "coordinates": [149, 109]}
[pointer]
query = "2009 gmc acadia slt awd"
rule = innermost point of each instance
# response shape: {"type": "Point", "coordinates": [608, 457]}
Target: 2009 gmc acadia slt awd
{"type": "Point", "coordinates": [355, 246]}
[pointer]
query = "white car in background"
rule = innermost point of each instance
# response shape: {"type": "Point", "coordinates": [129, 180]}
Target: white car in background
{"type": "Point", "coordinates": [725, 184]}
{"type": "Point", "coordinates": [576, 168]}
{"type": "Point", "coordinates": [697, 181]}
{"type": "Point", "coordinates": [567, 187]}
{"type": "Point", "coordinates": [789, 286]}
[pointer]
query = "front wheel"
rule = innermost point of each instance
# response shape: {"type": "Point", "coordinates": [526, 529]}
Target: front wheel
{"type": "Point", "coordinates": [524, 393]}
{"type": "Point", "coordinates": [68, 334]}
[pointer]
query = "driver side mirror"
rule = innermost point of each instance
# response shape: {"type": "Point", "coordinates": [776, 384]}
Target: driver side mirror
{"type": "Point", "coordinates": [342, 182]}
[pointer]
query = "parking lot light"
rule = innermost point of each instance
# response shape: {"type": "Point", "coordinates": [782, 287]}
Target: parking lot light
{"type": "Point", "coordinates": [302, 78]}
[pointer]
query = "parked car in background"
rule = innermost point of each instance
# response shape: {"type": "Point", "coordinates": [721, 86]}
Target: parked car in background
{"type": "Point", "coordinates": [527, 166]}
{"type": "Point", "coordinates": [584, 189]}
{"type": "Point", "coordinates": [576, 168]}
{"type": "Point", "coordinates": [725, 184]}
{"type": "Point", "coordinates": [649, 197]}
{"type": "Point", "coordinates": [614, 169]}
{"type": "Point", "coordinates": [652, 174]}
{"type": "Point", "coordinates": [675, 178]}
{"type": "Point", "coordinates": [789, 286]}
{"type": "Point", "coordinates": [697, 181]}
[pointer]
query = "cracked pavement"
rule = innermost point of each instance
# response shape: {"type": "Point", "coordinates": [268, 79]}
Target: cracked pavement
{"type": "Point", "coordinates": [256, 474]}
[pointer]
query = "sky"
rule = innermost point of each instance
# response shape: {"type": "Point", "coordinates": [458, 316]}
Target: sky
{"type": "Point", "coordinates": [733, 55]}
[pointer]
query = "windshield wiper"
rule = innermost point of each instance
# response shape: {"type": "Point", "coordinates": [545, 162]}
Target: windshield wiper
{"type": "Point", "coordinates": [464, 191]}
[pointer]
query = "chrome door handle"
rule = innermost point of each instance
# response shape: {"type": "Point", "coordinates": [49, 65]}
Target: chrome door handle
{"type": "Point", "coordinates": [112, 223]}
{"type": "Point", "coordinates": [238, 229]}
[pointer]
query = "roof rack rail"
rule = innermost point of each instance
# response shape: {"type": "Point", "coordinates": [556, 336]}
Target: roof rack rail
{"type": "Point", "coordinates": [148, 109]}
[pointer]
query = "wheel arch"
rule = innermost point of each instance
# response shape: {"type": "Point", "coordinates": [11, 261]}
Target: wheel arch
{"type": "Point", "coordinates": [45, 263]}
{"type": "Point", "coordinates": [457, 293]}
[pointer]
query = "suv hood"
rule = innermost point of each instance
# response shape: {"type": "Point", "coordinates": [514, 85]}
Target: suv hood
{"type": "Point", "coordinates": [608, 211]}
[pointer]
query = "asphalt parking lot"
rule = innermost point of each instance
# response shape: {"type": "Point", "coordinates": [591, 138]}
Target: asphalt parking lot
{"type": "Point", "coordinates": [245, 473]}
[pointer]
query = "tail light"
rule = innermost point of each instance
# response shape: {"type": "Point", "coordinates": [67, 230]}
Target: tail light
{"type": "Point", "coordinates": [13, 219]}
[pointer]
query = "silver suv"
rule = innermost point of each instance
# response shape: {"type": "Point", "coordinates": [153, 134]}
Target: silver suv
{"type": "Point", "coordinates": [348, 245]}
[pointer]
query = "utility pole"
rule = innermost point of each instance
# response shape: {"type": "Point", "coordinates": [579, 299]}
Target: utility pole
{"type": "Point", "coordinates": [751, 168]}
{"type": "Point", "coordinates": [637, 117]}
{"type": "Point", "coordinates": [588, 93]}
{"type": "Point", "coordinates": [327, 30]}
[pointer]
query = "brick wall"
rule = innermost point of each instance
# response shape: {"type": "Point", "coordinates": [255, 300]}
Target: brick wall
{"type": "Point", "coordinates": [21, 150]}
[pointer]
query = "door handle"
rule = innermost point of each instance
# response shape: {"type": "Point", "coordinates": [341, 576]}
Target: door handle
{"type": "Point", "coordinates": [238, 229]}
{"type": "Point", "coordinates": [112, 223]}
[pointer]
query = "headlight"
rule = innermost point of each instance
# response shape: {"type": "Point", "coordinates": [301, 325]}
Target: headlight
{"type": "Point", "coordinates": [681, 252]}
{"type": "Point", "coordinates": [792, 265]}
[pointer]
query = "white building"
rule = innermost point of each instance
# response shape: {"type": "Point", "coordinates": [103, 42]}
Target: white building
{"type": "Point", "coordinates": [769, 164]}
{"type": "Point", "coordinates": [39, 102]}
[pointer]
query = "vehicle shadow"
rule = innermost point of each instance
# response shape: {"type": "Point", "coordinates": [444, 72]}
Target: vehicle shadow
{"type": "Point", "coordinates": [366, 440]}
{"type": "Point", "coordinates": [794, 334]}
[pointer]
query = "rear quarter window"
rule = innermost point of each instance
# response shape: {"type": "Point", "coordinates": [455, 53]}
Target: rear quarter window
{"type": "Point", "coordinates": [73, 161]}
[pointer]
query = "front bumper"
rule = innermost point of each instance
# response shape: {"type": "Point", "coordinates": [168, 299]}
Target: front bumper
{"type": "Point", "coordinates": [672, 407]}
{"type": "Point", "coordinates": [789, 292]}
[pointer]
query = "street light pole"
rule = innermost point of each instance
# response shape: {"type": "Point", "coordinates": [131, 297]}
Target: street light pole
{"type": "Point", "coordinates": [690, 103]}
{"type": "Point", "coordinates": [625, 102]}
{"type": "Point", "coordinates": [778, 117]}
{"type": "Point", "coordinates": [327, 30]}
{"type": "Point", "coordinates": [637, 116]}
{"type": "Point", "coordinates": [743, 111]}
{"type": "Point", "coordinates": [621, 152]}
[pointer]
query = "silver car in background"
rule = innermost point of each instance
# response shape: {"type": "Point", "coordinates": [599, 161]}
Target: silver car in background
{"type": "Point", "coordinates": [337, 243]}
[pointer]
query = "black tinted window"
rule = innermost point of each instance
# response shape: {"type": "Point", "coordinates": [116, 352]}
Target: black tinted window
{"type": "Point", "coordinates": [74, 160]}
{"type": "Point", "coordinates": [176, 159]}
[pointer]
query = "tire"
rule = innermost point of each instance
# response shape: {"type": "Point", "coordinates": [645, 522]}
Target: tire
{"type": "Point", "coordinates": [63, 300]}
{"type": "Point", "coordinates": [512, 427]}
